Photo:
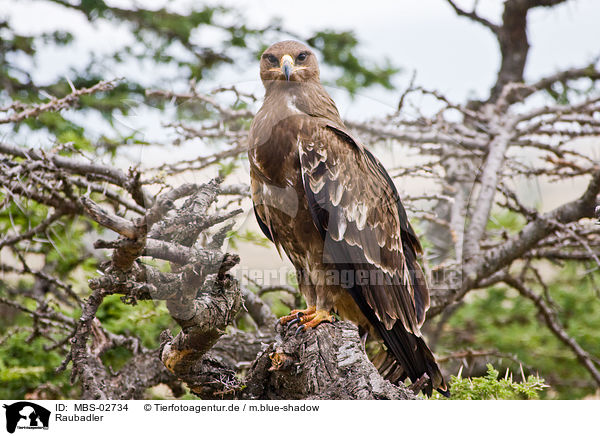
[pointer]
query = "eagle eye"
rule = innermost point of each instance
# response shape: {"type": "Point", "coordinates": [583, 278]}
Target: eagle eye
{"type": "Point", "coordinates": [272, 59]}
{"type": "Point", "coordinates": [301, 57]}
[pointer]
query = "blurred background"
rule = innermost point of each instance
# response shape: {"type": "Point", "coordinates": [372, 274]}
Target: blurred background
{"type": "Point", "coordinates": [188, 78]}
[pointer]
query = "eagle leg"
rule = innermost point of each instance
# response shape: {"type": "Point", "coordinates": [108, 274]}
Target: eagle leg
{"type": "Point", "coordinates": [314, 319]}
{"type": "Point", "coordinates": [295, 315]}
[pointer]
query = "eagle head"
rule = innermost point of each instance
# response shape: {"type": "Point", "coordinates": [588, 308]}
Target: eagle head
{"type": "Point", "coordinates": [289, 61]}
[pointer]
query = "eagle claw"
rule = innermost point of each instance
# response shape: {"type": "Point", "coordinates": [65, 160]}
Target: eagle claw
{"type": "Point", "coordinates": [306, 319]}
{"type": "Point", "coordinates": [296, 315]}
{"type": "Point", "coordinates": [294, 321]}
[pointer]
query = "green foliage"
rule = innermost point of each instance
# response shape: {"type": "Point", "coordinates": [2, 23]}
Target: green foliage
{"type": "Point", "coordinates": [145, 320]}
{"type": "Point", "coordinates": [281, 303]}
{"type": "Point", "coordinates": [565, 93]}
{"type": "Point", "coordinates": [498, 318]}
{"type": "Point", "coordinates": [235, 237]}
{"type": "Point", "coordinates": [63, 246]}
{"type": "Point", "coordinates": [226, 167]}
{"type": "Point", "coordinates": [506, 222]}
{"type": "Point", "coordinates": [493, 387]}
{"type": "Point", "coordinates": [339, 50]}
{"type": "Point", "coordinates": [25, 362]}
{"type": "Point", "coordinates": [501, 320]}
{"type": "Point", "coordinates": [24, 366]}
{"type": "Point", "coordinates": [165, 42]}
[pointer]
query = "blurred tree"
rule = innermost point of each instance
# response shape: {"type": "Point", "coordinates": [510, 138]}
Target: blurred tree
{"type": "Point", "coordinates": [165, 43]}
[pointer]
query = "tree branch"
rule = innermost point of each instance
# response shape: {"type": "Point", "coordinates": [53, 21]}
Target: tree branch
{"type": "Point", "coordinates": [324, 363]}
{"type": "Point", "coordinates": [57, 104]}
{"type": "Point", "coordinates": [75, 166]}
{"type": "Point", "coordinates": [473, 16]}
{"type": "Point", "coordinates": [496, 258]}
{"type": "Point", "coordinates": [553, 323]}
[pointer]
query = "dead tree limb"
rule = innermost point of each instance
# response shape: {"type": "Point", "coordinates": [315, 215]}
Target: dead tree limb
{"type": "Point", "coordinates": [325, 363]}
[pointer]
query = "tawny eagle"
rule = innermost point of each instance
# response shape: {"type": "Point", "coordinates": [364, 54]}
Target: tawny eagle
{"type": "Point", "coordinates": [320, 195]}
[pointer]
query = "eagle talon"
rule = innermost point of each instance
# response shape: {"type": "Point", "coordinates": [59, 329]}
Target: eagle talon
{"type": "Point", "coordinates": [294, 321]}
{"type": "Point", "coordinates": [296, 314]}
{"type": "Point", "coordinates": [312, 320]}
{"type": "Point", "coordinates": [299, 330]}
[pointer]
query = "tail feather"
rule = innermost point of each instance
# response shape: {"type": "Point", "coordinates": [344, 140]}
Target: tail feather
{"type": "Point", "coordinates": [412, 356]}
{"type": "Point", "coordinates": [408, 356]}
{"type": "Point", "coordinates": [388, 366]}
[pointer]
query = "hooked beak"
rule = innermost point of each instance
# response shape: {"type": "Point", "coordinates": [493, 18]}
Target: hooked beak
{"type": "Point", "coordinates": [287, 66]}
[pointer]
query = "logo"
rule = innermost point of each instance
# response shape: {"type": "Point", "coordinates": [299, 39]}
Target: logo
{"type": "Point", "coordinates": [26, 415]}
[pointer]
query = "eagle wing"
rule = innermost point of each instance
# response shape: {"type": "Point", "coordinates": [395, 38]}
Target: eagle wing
{"type": "Point", "coordinates": [357, 209]}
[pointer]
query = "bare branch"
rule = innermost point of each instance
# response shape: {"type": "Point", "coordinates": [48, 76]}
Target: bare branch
{"type": "Point", "coordinates": [41, 227]}
{"type": "Point", "coordinates": [54, 105]}
{"type": "Point", "coordinates": [488, 181]}
{"type": "Point", "coordinates": [75, 166]}
{"type": "Point", "coordinates": [226, 112]}
{"type": "Point", "coordinates": [258, 309]}
{"type": "Point", "coordinates": [334, 352]}
{"type": "Point", "coordinates": [555, 326]}
{"type": "Point", "coordinates": [473, 16]}
{"type": "Point", "coordinates": [480, 270]}
{"type": "Point", "coordinates": [106, 219]}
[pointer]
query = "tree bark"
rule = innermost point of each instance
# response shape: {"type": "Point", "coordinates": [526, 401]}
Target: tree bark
{"type": "Point", "coordinates": [328, 362]}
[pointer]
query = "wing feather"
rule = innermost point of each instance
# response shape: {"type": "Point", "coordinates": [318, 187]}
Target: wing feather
{"type": "Point", "coordinates": [265, 229]}
{"type": "Point", "coordinates": [357, 209]}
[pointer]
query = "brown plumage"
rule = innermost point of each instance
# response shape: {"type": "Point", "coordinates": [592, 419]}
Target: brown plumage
{"type": "Point", "coordinates": [323, 198]}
